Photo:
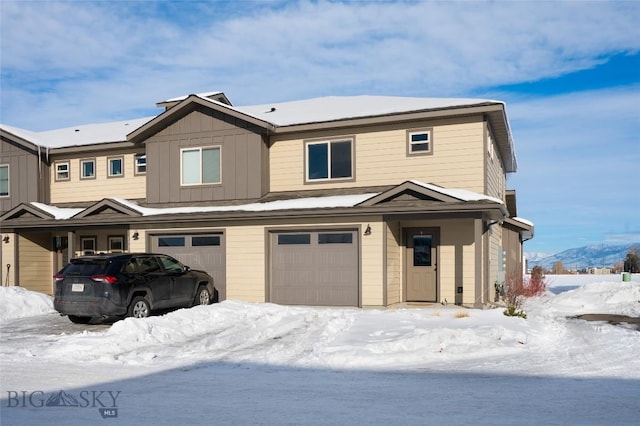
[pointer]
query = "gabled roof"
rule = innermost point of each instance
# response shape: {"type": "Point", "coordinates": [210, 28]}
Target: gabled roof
{"type": "Point", "coordinates": [39, 210]}
{"type": "Point", "coordinates": [304, 115]}
{"type": "Point", "coordinates": [428, 192]}
{"type": "Point", "coordinates": [108, 206]}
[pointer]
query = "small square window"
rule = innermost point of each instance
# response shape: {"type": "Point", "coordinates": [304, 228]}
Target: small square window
{"type": "Point", "coordinates": [420, 142]}
{"type": "Point", "coordinates": [141, 164]}
{"type": "Point", "coordinates": [62, 171]}
{"type": "Point", "coordinates": [116, 167]}
{"type": "Point", "coordinates": [116, 244]}
{"type": "Point", "coordinates": [88, 245]}
{"type": "Point", "coordinates": [88, 169]}
{"type": "Point", "coordinates": [4, 180]}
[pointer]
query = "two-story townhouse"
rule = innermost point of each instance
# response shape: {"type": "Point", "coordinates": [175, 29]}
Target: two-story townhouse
{"type": "Point", "coordinates": [341, 201]}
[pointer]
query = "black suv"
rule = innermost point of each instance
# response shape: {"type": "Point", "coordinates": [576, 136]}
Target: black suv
{"type": "Point", "coordinates": [133, 284]}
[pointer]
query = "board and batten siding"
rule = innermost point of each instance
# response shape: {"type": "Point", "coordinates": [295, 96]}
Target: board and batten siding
{"type": "Point", "coordinates": [381, 156]}
{"type": "Point", "coordinates": [129, 186]}
{"type": "Point", "coordinates": [243, 153]}
{"type": "Point", "coordinates": [27, 176]}
{"type": "Point", "coordinates": [35, 262]}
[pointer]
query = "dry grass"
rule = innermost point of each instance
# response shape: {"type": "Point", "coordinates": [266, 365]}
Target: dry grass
{"type": "Point", "coordinates": [462, 314]}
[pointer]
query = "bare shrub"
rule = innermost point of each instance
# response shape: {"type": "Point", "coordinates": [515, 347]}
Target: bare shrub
{"type": "Point", "coordinates": [516, 288]}
{"type": "Point", "coordinates": [462, 314]}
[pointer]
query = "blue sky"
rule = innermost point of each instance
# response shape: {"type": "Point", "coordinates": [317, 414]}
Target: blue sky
{"type": "Point", "coordinates": [568, 71]}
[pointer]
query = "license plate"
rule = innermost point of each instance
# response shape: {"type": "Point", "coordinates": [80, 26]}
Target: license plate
{"type": "Point", "coordinates": [77, 287]}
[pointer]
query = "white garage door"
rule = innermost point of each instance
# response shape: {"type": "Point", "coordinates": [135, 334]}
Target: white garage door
{"type": "Point", "coordinates": [315, 268]}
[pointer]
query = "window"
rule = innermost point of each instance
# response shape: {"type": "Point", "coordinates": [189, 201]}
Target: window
{"type": "Point", "coordinates": [141, 164]}
{"type": "Point", "coordinates": [171, 242]}
{"type": "Point", "coordinates": [4, 181]}
{"type": "Point", "coordinates": [88, 169]}
{"type": "Point", "coordinates": [170, 264]}
{"type": "Point", "coordinates": [88, 245]}
{"type": "Point", "coordinates": [336, 238]}
{"type": "Point", "coordinates": [116, 167]}
{"type": "Point", "coordinates": [419, 142]}
{"type": "Point", "coordinates": [422, 250]}
{"type": "Point", "coordinates": [329, 160]}
{"type": "Point", "coordinates": [116, 244]}
{"type": "Point", "coordinates": [205, 241]}
{"type": "Point", "coordinates": [288, 239]}
{"type": "Point", "coordinates": [62, 171]}
{"type": "Point", "coordinates": [200, 166]}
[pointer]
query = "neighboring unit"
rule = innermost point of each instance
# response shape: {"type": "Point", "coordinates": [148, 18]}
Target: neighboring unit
{"type": "Point", "coordinates": [337, 201]}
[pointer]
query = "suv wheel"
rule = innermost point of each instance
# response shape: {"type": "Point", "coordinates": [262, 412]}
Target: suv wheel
{"type": "Point", "coordinates": [139, 308]}
{"type": "Point", "coordinates": [203, 297]}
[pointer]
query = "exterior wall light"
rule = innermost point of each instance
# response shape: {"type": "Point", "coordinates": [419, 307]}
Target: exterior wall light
{"type": "Point", "coordinates": [135, 235]}
{"type": "Point", "coordinates": [368, 230]}
{"type": "Point", "coordinates": [5, 239]}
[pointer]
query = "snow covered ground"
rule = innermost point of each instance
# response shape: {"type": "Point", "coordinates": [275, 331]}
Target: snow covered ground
{"type": "Point", "coordinates": [262, 364]}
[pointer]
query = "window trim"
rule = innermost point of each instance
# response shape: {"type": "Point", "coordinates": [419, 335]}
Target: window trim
{"type": "Point", "coordinates": [8, 194]}
{"type": "Point", "coordinates": [410, 144]}
{"type": "Point", "coordinates": [57, 164]}
{"type": "Point", "coordinates": [136, 166]}
{"type": "Point", "coordinates": [113, 238]}
{"type": "Point", "coordinates": [109, 160]}
{"type": "Point", "coordinates": [307, 143]}
{"type": "Point", "coordinates": [200, 149]}
{"type": "Point", "coordinates": [82, 162]}
{"type": "Point", "coordinates": [95, 245]}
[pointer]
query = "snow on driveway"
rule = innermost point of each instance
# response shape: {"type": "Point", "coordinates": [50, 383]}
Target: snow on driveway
{"type": "Point", "coordinates": [242, 363]}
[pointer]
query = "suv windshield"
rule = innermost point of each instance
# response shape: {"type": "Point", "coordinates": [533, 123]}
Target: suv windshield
{"type": "Point", "coordinates": [85, 268]}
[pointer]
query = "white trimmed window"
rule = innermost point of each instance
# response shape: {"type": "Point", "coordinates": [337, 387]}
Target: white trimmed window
{"type": "Point", "coordinates": [115, 167]}
{"type": "Point", "coordinates": [4, 180]}
{"type": "Point", "coordinates": [141, 164]}
{"type": "Point", "coordinates": [116, 244]}
{"type": "Point", "coordinates": [329, 160]}
{"type": "Point", "coordinates": [419, 142]}
{"type": "Point", "coordinates": [88, 245]}
{"type": "Point", "coordinates": [200, 166]}
{"type": "Point", "coordinates": [62, 170]}
{"type": "Point", "coordinates": [88, 169]}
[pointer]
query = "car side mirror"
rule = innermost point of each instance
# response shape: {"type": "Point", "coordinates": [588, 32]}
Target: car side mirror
{"type": "Point", "coordinates": [187, 269]}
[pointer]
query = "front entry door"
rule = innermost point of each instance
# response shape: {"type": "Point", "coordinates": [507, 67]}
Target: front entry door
{"type": "Point", "coordinates": [421, 264]}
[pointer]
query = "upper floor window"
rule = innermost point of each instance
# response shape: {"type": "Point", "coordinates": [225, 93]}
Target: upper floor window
{"type": "Point", "coordinates": [328, 160]}
{"type": "Point", "coordinates": [62, 170]}
{"type": "Point", "coordinates": [141, 164]}
{"type": "Point", "coordinates": [88, 169]}
{"type": "Point", "coordinates": [200, 165]}
{"type": "Point", "coordinates": [116, 167]}
{"type": "Point", "coordinates": [4, 180]}
{"type": "Point", "coordinates": [420, 142]}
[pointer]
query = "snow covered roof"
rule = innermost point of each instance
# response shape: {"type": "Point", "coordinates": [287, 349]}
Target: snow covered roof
{"type": "Point", "coordinates": [86, 134]}
{"type": "Point", "coordinates": [334, 108]}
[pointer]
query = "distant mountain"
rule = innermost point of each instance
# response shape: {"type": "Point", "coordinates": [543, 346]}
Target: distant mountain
{"type": "Point", "coordinates": [593, 256]}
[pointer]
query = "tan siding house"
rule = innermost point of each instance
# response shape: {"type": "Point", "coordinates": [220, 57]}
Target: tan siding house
{"type": "Point", "coordinates": [338, 201]}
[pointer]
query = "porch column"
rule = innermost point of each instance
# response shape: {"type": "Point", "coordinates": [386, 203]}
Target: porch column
{"type": "Point", "coordinates": [71, 244]}
{"type": "Point", "coordinates": [478, 244]}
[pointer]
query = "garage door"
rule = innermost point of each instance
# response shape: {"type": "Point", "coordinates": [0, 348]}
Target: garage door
{"type": "Point", "coordinates": [198, 251]}
{"type": "Point", "coordinates": [315, 268]}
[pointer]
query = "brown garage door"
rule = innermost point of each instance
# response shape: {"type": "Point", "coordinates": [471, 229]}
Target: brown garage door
{"type": "Point", "coordinates": [198, 251]}
{"type": "Point", "coordinates": [315, 268]}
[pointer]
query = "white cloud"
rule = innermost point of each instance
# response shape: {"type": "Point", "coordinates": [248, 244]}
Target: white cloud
{"type": "Point", "coordinates": [105, 58]}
